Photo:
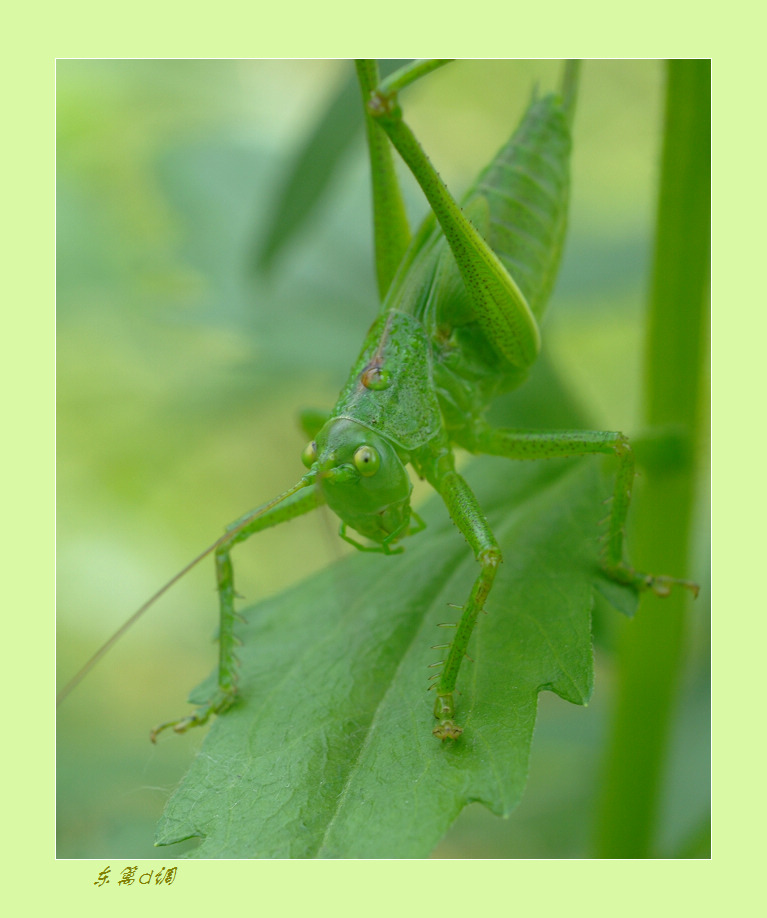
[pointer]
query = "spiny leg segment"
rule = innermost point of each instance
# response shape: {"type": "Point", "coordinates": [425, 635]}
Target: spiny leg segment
{"type": "Point", "coordinates": [296, 503]}
{"type": "Point", "coordinates": [466, 513]}
{"type": "Point", "coordinates": [533, 444]}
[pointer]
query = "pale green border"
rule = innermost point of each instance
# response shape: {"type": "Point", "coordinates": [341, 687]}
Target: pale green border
{"type": "Point", "coordinates": [303, 29]}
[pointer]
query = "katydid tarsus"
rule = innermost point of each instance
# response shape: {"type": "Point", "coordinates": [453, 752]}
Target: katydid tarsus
{"type": "Point", "coordinates": [458, 325]}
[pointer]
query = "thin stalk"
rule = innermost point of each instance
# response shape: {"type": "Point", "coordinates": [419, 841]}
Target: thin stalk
{"type": "Point", "coordinates": [569, 89]}
{"type": "Point", "coordinates": [409, 74]}
{"type": "Point", "coordinates": [651, 648]}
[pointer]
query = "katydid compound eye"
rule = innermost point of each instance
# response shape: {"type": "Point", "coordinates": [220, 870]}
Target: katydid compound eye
{"type": "Point", "coordinates": [367, 460]}
{"type": "Point", "coordinates": [309, 455]}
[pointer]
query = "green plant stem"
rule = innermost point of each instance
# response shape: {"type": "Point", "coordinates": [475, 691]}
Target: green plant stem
{"type": "Point", "coordinates": [569, 89]}
{"type": "Point", "coordinates": [410, 73]}
{"type": "Point", "coordinates": [651, 648]}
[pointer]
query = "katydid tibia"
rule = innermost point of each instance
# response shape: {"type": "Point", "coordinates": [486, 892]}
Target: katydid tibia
{"type": "Point", "coordinates": [458, 326]}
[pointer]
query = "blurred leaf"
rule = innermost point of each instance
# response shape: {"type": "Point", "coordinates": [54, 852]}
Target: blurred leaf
{"type": "Point", "coordinates": [698, 843]}
{"type": "Point", "coordinates": [314, 165]}
{"type": "Point", "coordinates": [329, 752]}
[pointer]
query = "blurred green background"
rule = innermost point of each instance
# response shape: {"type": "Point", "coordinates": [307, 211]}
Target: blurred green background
{"type": "Point", "coordinates": [182, 367]}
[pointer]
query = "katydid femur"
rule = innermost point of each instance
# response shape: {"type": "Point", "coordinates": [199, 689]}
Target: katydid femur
{"type": "Point", "coordinates": [458, 326]}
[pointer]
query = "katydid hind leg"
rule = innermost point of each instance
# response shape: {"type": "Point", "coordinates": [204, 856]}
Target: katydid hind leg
{"type": "Point", "coordinates": [501, 307]}
{"type": "Point", "coordinates": [391, 230]}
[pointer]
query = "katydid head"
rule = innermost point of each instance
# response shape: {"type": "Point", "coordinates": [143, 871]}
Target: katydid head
{"type": "Point", "coordinates": [362, 478]}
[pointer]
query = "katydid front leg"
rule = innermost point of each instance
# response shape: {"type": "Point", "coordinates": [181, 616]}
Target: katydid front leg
{"type": "Point", "coordinates": [464, 510]}
{"type": "Point", "coordinates": [296, 502]}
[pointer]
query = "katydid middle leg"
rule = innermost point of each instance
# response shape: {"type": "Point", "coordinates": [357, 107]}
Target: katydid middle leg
{"type": "Point", "coordinates": [534, 444]}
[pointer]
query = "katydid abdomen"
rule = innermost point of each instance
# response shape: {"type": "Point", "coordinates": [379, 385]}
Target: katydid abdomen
{"type": "Point", "coordinates": [428, 363]}
{"type": "Point", "coordinates": [527, 189]}
{"type": "Point", "coordinates": [519, 204]}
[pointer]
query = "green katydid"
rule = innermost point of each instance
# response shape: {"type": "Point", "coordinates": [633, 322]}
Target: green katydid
{"type": "Point", "coordinates": [458, 325]}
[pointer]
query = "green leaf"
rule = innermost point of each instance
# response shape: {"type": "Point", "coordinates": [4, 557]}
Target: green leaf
{"type": "Point", "coordinates": [329, 752]}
